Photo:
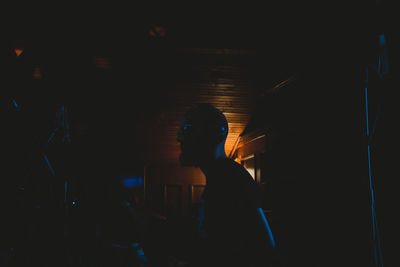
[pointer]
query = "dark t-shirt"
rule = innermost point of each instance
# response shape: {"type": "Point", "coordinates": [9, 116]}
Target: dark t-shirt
{"type": "Point", "coordinates": [227, 226]}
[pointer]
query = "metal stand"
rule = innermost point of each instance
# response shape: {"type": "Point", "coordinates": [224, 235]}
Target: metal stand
{"type": "Point", "coordinates": [382, 70]}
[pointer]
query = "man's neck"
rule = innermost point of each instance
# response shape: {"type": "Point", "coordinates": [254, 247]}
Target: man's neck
{"type": "Point", "coordinates": [207, 165]}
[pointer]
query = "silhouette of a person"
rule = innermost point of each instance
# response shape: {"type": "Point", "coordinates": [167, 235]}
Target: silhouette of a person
{"type": "Point", "coordinates": [232, 228]}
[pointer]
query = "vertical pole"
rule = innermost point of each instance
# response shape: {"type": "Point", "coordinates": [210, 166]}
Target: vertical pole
{"type": "Point", "coordinates": [378, 259]}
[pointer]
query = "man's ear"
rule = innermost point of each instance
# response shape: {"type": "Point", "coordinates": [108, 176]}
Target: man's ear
{"type": "Point", "coordinates": [220, 135]}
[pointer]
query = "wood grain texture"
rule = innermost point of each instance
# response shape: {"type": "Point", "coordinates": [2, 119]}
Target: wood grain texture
{"type": "Point", "coordinates": [215, 76]}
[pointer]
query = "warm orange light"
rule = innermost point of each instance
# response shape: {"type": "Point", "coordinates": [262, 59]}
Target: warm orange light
{"type": "Point", "coordinates": [18, 51]}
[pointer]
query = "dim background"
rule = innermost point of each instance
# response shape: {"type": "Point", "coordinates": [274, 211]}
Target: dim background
{"type": "Point", "coordinates": [126, 75]}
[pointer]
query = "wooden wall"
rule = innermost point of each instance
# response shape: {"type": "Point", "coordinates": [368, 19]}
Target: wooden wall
{"type": "Point", "coordinates": [221, 77]}
{"type": "Point", "coordinates": [171, 190]}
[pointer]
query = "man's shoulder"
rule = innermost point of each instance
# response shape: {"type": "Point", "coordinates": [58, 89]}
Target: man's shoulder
{"type": "Point", "coordinates": [236, 179]}
{"type": "Point", "coordinates": [237, 172]}
{"type": "Point", "coordinates": [229, 164]}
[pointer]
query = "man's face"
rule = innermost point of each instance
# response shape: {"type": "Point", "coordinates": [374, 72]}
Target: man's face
{"type": "Point", "coordinates": [189, 137]}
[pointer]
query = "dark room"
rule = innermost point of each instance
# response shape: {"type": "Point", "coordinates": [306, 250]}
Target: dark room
{"type": "Point", "coordinates": [200, 134]}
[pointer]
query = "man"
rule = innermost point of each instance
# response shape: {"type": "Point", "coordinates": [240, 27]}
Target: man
{"type": "Point", "coordinates": [232, 228]}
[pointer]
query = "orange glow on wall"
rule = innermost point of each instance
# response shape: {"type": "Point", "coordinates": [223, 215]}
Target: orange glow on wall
{"type": "Point", "coordinates": [18, 51]}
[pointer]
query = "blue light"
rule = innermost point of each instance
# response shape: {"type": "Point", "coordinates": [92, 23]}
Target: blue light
{"type": "Point", "coordinates": [16, 104]}
{"type": "Point", "coordinates": [366, 109]}
{"type": "Point", "coordinates": [382, 40]}
{"type": "Point", "coordinates": [133, 181]}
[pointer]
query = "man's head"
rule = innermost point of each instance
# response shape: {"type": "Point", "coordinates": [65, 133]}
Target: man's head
{"type": "Point", "coordinates": [202, 134]}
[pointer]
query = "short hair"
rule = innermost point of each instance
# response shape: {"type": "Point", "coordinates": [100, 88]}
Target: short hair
{"type": "Point", "coordinates": [211, 118]}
